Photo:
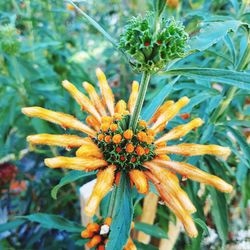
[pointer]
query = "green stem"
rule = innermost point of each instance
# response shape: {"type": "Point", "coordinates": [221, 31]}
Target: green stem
{"type": "Point", "coordinates": [140, 99]}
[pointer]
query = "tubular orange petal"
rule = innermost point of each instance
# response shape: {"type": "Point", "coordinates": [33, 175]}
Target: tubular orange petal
{"type": "Point", "coordinates": [133, 96]}
{"type": "Point", "coordinates": [139, 180]}
{"type": "Point", "coordinates": [160, 110]}
{"type": "Point", "coordinates": [91, 121]}
{"type": "Point", "coordinates": [169, 113]}
{"type": "Point", "coordinates": [94, 241]}
{"type": "Point", "coordinates": [120, 107]}
{"type": "Point", "coordinates": [64, 120]}
{"type": "Point", "coordinates": [67, 141]}
{"type": "Point", "coordinates": [107, 93]}
{"type": "Point", "coordinates": [105, 180]}
{"type": "Point", "coordinates": [95, 98]}
{"type": "Point", "coordinates": [81, 99]}
{"type": "Point", "coordinates": [171, 182]}
{"type": "Point", "coordinates": [86, 234]}
{"type": "Point", "coordinates": [89, 150]}
{"type": "Point", "coordinates": [189, 149]}
{"type": "Point", "coordinates": [76, 163]}
{"type": "Point", "coordinates": [130, 245]}
{"type": "Point", "coordinates": [195, 174]}
{"type": "Point", "coordinates": [175, 206]}
{"type": "Point", "coordinates": [180, 131]}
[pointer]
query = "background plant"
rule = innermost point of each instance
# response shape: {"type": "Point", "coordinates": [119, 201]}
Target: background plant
{"type": "Point", "coordinates": [48, 41]}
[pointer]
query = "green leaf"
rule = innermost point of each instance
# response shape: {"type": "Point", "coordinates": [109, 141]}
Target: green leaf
{"type": "Point", "coordinates": [202, 224]}
{"type": "Point", "coordinates": [244, 146]}
{"type": "Point", "coordinates": [212, 32]}
{"type": "Point", "coordinates": [95, 25]}
{"type": "Point", "coordinates": [51, 221]}
{"type": "Point", "coordinates": [122, 216]}
{"type": "Point", "coordinates": [155, 103]}
{"type": "Point", "coordinates": [241, 172]}
{"type": "Point", "coordinates": [151, 230]}
{"type": "Point", "coordinates": [229, 77]}
{"type": "Point", "coordinates": [70, 177]}
{"type": "Point", "coordinates": [10, 225]}
{"type": "Point", "coordinates": [219, 213]}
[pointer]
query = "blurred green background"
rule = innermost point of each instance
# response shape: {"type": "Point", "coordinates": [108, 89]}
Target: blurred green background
{"type": "Point", "coordinates": [43, 42]}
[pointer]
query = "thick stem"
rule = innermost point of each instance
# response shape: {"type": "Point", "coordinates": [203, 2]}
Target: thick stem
{"type": "Point", "coordinates": [140, 99]}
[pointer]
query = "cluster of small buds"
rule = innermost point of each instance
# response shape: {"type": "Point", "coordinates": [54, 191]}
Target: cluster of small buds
{"type": "Point", "coordinates": [152, 49]}
{"type": "Point", "coordinates": [97, 233]}
{"type": "Point", "coordinates": [9, 42]}
{"type": "Point", "coordinates": [7, 173]}
{"type": "Point", "coordinates": [121, 146]}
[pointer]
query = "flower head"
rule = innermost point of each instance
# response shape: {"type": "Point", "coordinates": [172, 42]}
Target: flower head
{"type": "Point", "coordinates": [111, 147]}
{"type": "Point", "coordinates": [151, 48]}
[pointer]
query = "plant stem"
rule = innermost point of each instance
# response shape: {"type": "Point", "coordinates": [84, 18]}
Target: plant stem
{"type": "Point", "coordinates": [140, 99]}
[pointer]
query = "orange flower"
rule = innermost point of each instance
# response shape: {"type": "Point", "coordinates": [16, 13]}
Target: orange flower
{"type": "Point", "coordinates": [144, 158]}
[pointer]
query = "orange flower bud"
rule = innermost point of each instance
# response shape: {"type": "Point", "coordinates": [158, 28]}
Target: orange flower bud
{"type": "Point", "coordinates": [121, 107]}
{"type": "Point", "coordinates": [86, 234]}
{"type": "Point", "coordinates": [140, 150]}
{"type": "Point", "coordinates": [107, 138]}
{"type": "Point", "coordinates": [118, 150]}
{"type": "Point", "coordinates": [128, 134]}
{"type": "Point", "coordinates": [101, 247]}
{"type": "Point", "coordinates": [117, 138]}
{"type": "Point", "coordinates": [93, 227]}
{"type": "Point", "coordinates": [94, 241]}
{"type": "Point", "coordinates": [133, 159]}
{"type": "Point", "coordinates": [142, 123]}
{"type": "Point", "coordinates": [150, 132]}
{"type": "Point", "coordinates": [185, 116]}
{"type": "Point", "coordinates": [117, 116]}
{"type": "Point", "coordinates": [147, 150]}
{"type": "Point", "coordinates": [113, 127]}
{"type": "Point", "coordinates": [105, 127]}
{"type": "Point", "coordinates": [108, 221]}
{"type": "Point", "coordinates": [142, 136]}
{"type": "Point", "coordinates": [100, 137]}
{"type": "Point", "coordinates": [106, 119]}
{"type": "Point", "coordinates": [130, 148]}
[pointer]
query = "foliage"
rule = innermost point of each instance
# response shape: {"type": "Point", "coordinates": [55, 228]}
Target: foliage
{"type": "Point", "coordinates": [47, 42]}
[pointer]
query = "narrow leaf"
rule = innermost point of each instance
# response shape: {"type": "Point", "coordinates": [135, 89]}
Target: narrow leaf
{"type": "Point", "coordinates": [151, 230]}
{"type": "Point", "coordinates": [10, 225]}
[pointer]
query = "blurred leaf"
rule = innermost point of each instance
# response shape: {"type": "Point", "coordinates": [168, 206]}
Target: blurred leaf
{"type": "Point", "coordinates": [51, 221]}
{"type": "Point", "coordinates": [141, 246]}
{"type": "Point", "coordinates": [69, 178]}
{"type": "Point", "coordinates": [241, 172]}
{"type": "Point", "coordinates": [122, 216]}
{"type": "Point", "coordinates": [219, 213]}
{"type": "Point", "coordinates": [211, 33]}
{"type": "Point", "coordinates": [10, 225]}
{"type": "Point", "coordinates": [151, 230]}
{"type": "Point", "coordinates": [229, 77]}
{"type": "Point", "coordinates": [202, 224]}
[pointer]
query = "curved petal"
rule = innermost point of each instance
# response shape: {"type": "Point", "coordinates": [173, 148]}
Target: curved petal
{"type": "Point", "coordinates": [95, 98]}
{"type": "Point", "coordinates": [81, 99]}
{"type": "Point", "coordinates": [175, 206]}
{"type": "Point", "coordinates": [104, 183]}
{"type": "Point", "coordinates": [180, 131]}
{"type": "Point", "coordinates": [107, 93]}
{"type": "Point", "coordinates": [89, 150]}
{"type": "Point", "coordinates": [133, 96]}
{"type": "Point", "coordinates": [67, 141]}
{"type": "Point", "coordinates": [189, 149]}
{"type": "Point", "coordinates": [195, 174]}
{"type": "Point", "coordinates": [76, 163]}
{"type": "Point", "coordinates": [171, 182]}
{"type": "Point", "coordinates": [64, 120]}
{"type": "Point", "coordinates": [169, 113]}
{"type": "Point", "coordinates": [91, 121]}
{"type": "Point", "coordinates": [121, 107]}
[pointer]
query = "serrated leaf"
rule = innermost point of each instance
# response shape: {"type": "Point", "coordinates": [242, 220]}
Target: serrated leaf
{"type": "Point", "coordinates": [151, 230]}
{"type": "Point", "coordinates": [70, 177]}
{"type": "Point", "coordinates": [230, 77]}
{"type": "Point", "coordinates": [122, 216]}
{"type": "Point", "coordinates": [52, 221]}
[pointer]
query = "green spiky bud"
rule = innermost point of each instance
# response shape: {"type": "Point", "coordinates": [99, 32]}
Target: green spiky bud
{"type": "Point", "coordinates": [151, 48]}
{"type": "Point", "coordinates": [9, 39]}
